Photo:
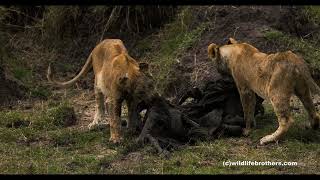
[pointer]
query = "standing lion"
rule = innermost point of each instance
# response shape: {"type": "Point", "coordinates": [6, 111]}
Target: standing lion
{"type": "Point", "coordinates": [119, 77]}
{"type": "Point", "coordinates": [274, 77]}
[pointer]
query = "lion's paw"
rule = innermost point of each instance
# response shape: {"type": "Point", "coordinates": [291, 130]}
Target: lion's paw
{"type": "Point", "coordinates": [116, 140]}
{"type": "Point", "coordinates": [267, 139]}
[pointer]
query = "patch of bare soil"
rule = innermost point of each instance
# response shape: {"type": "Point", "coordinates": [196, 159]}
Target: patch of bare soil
{"type": "Point", "coordinates": [84, 105]}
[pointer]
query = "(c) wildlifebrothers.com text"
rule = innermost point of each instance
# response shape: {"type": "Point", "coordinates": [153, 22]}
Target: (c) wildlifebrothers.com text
{"type": "Point", "coordinates": [258, 163]}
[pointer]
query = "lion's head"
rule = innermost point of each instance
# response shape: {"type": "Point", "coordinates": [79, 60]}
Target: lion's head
{"type": "Point", "coordinates": [219, 61]}
{"type": "Point", "coordinates": [140, 87]}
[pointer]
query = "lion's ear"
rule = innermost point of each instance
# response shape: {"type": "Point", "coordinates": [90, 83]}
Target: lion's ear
{"type": "Point", "coordinates": [213, 51]}
{"type": "Point", "coordinates": [144, 67]}
{"type": "Point", "coordinates": [232, 41]}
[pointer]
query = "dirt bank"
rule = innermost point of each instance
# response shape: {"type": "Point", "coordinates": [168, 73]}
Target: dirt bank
{"type": "Point", "coordinates": [245, 24]}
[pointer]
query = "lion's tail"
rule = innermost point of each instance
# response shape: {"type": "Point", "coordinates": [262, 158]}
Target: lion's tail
{"type": "Point", "coordinates": [314, 88]}
{"type": "Point", "coordinates": [83, 71]}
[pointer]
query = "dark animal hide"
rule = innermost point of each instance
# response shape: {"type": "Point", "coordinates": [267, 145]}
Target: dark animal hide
{"type": "Point", "coordinates": [214, 111]}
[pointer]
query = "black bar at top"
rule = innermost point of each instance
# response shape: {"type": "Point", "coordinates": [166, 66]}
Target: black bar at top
{"type": "Point", "coordinates": [160, 2]}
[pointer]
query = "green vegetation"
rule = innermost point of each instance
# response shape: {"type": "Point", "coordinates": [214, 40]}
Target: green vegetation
{"type": "Point", "coordinates": [22, 73]}
{"type": "Point", "coordinates": [62, 115]}
{"type": "Point", "coordinates": [172, 41]}
{"type": "Point", "coordinates": [40, 92]}
{"type": "Point", "coordinates": [11, 117]}
{"type": "Point", "coordinates": [313, 13]}
{"type": "Point", "coordinates": [58, 116]}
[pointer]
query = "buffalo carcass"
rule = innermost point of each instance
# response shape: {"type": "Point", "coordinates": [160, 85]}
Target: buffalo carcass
{"type": "Point", "coordinates": [215, 110]}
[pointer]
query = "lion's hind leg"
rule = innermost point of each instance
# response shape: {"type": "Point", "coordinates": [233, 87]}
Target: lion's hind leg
{"type": "Point", "coordinates": [280, 90]}
{"type": "Point", "coordinates": [281, 107]}
{"type": "Point", "coordinates": [99, 117]}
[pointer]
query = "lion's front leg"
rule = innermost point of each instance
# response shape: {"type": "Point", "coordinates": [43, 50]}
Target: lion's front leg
{"type": "Point", "coordinates": [115, 123]}
{"type": "Point", "coordinates": [248, 101]}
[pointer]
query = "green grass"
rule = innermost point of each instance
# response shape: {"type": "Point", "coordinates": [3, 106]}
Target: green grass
{"type": "Point", "coordinates": [172, 41]}
{"type": "Point", "coordinates": [313, 13]}
{"type": "Point", "coordinates": [22, 73]}
{"type": "Point", "coordinates": [40, 92]}
{"type": "Point", "coordinates": [30, 150]}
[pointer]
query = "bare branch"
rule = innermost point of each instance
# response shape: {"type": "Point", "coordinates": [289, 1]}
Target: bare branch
{"type": "Point", "coordinates": [113, 16]}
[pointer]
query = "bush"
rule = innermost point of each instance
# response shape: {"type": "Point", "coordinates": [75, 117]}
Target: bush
{"type": "Point", "coordinates": [313, 14]}
{"type": "Point", "coordinates": [13, 119]}
{"type": "Point", "coordinates": [40, 92]}
{"type": "Point", "coordinates": [62, 115]}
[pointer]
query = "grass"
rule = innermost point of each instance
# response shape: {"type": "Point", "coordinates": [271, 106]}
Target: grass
{"type": "Point", "coordinates": [313, 13]}
{"type": "Point", "coordinates": [30, 150]}
{"type": "Point", "coordinates": [40, 92]}
{"type": "Point", "coordinates": [172, 41]}
{"type": "Point", "coordinates": [22, 73]}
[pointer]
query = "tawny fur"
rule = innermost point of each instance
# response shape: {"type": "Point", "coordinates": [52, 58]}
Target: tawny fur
{"type": "Point", "coordinates": [117, 76]}
{"type": "Point", "coordinates": [275, 77]}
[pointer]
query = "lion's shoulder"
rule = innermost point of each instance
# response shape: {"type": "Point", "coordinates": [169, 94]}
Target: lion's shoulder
{"type": "Point", "coordinates": [285, 56]}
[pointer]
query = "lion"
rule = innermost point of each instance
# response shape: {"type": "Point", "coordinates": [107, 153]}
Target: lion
{"type": "Point", "coordinates": [274, 77]}
{"type": "Point", "coordinates": [118, 77]}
